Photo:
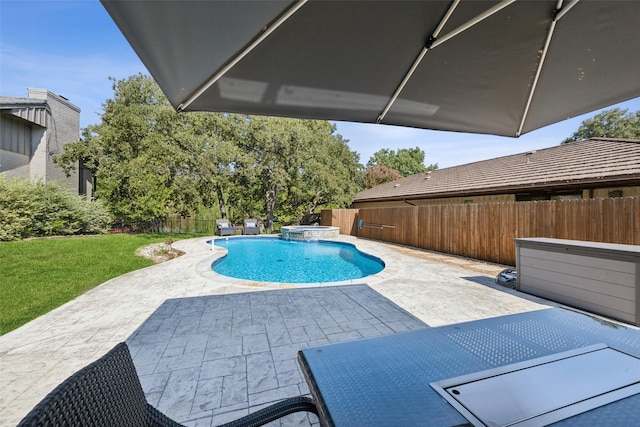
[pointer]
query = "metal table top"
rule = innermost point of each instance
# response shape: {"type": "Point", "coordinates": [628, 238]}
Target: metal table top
{"type": "Point", "coordinates": [386, 380]}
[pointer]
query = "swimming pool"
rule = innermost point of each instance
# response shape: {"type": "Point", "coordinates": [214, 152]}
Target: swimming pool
{"type": "Point", "coordinates": [277, 260]}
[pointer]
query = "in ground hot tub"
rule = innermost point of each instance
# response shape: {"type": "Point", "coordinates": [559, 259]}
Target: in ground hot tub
{"type": "Point", "coordinates": [309, 232]}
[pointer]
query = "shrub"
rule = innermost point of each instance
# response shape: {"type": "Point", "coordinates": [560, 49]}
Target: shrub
{"type": "Point", "coordinates": [30, 209]}
{"type": "Point", "coordinates": [95, 217]}
{"type": "Point", "coordinates": [16, 206]}
{"type": "Point", "coordinates": [54, 214]}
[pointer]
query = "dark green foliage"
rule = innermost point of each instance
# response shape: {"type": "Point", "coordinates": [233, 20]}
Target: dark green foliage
{"type": "Point", "coordinates": [407, 161]}
{"type": "Point", "coordinates": [614, 123]}
{"type": "Point", "coordinates": [289, 167]}
{"type": "Point", "coordinates": [151, 162]}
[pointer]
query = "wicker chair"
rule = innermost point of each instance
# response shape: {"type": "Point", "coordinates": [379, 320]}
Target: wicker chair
{"type": "Point", "coordinates": [223, 228]}
{"type": "Point", "coordinates": [250, 226]}
{"type": "Point", "coordinates": [108, 393]}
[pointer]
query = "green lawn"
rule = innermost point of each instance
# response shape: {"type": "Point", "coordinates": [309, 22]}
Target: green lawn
{"type": "Point", "coordinates": [39, 275]}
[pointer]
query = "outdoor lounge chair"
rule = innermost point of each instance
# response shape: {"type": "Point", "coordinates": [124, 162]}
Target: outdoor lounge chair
{"type": "Point", "coordinates": [108, 393]}
{"type": "Point", "coordinates": [250, 226]}
{"type": "Point", "coordinates": [223, 228]}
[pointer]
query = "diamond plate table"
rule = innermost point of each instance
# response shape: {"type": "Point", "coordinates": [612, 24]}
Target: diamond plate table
{"type": "Point", "coordinates": [386, 380]}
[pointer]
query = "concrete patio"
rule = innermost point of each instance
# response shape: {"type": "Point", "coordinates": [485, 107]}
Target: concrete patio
{"type": "Point", "coordinates": [209, 349]}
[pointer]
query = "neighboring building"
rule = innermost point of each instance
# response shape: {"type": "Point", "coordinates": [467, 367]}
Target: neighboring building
{"type": "Point", "coordinates": [32, 131]}
{"type": "Point", "coordinates": [594, 168]}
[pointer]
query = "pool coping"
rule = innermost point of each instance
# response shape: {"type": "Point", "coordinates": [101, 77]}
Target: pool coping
{"type": "Point", "coordinates": [204, 269]}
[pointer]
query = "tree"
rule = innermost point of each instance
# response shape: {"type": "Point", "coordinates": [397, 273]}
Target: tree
{"type": "Point", "coordinates": [149, 160]}
{"type": "Point", "coordinates": [292, 166]}
{"type": "Point", "coordinates": [379, 174]}
{"type": "Point", "coordinates": [407, 161]}
{"type": "Point", "coordinates": [213, 152]}
{"type": "Point", "coordinates": [125, 151]}
{"type": "Point", "coordinates": [614, 123]}
{"type": "Point", "coordinates": [270, 146]}
{"type": "Point", "coordinates": [329, 172]}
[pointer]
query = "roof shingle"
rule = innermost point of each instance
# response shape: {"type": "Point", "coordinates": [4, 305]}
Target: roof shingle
{"type": "Point", "coordinates": [592, 160]}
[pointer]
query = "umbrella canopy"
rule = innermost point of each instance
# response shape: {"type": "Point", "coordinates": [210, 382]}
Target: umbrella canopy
{"type": "Point", "coordinates": [496, 67]}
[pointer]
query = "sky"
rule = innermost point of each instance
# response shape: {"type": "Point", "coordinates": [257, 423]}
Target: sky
{"type": "Point", "coordinates": [72, 47]}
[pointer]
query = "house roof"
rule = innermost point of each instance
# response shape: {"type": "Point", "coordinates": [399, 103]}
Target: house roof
{"type": "Point", "coordinates": [592, 161]}
{"type": "Point", "coordinates": [31, 109]}
{"type": "Point", "coordinates": [8, 102]}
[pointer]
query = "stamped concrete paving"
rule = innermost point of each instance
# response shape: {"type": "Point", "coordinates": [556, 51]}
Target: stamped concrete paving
{"type": "Point", "coordinates": [163, 310]}
{"type": "Point", "coordinates": [210, 358]}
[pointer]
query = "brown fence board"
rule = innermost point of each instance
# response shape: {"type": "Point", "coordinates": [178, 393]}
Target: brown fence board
{"type": "Point", "coordinates": [487, 231]}
{"type": "Point", "coordinates": [345, 219]}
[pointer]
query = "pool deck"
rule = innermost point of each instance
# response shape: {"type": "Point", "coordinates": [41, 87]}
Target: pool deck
{"type": "Point", "coordinates": [209, 349]}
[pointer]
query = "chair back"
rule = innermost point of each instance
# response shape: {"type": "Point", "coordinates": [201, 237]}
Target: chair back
{"type": "Point", "coordinates": [105, 393]}
{"type": "Point", "coordinates": [108, 393]}
{"type": "Point", "coordinates": [222, 223]}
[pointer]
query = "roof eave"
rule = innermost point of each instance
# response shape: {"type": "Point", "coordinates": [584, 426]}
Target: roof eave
{"type": "Point", "coordinates": [633, 179]}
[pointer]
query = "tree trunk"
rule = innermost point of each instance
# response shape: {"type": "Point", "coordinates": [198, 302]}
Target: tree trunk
{"type": "Point", "coordinates": [313, 203]}
{"type": "Point", "coordinates": [270, 205]}
{"type": "Point", "coordinates": [223, 208]}
{"type": "Point", "coordinates": [270, 202]}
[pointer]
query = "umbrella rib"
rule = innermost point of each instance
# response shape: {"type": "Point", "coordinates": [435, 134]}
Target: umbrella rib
{"type": "Point", "coordinates": [406, 78]}
{"type": "Point", "coordinates": [417, 61]}
{"type": "Point", "coordinates": [434, 41]}
{"type": "Point", "coordinates": [221, 72]}
{"type": "Point", "coordinates": [557, 14]}
{"type": "Point", "coordinates": [564, 10]}
{"type": "Point", "coordinates": [495, 9]}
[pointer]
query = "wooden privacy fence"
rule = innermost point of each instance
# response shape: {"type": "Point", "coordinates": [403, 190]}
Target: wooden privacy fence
{"type": "Point", "coordinates": [487, 231]}
{"type": "Point", "coordinates": [343, 218]}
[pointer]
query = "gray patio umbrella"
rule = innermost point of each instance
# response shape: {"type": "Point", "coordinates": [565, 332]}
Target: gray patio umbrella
{"type": "Point", "coordinates": [496, 67]}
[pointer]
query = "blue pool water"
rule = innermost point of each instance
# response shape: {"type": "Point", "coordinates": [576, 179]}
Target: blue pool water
{"type": "Point", "coordinates": [277, 260]}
